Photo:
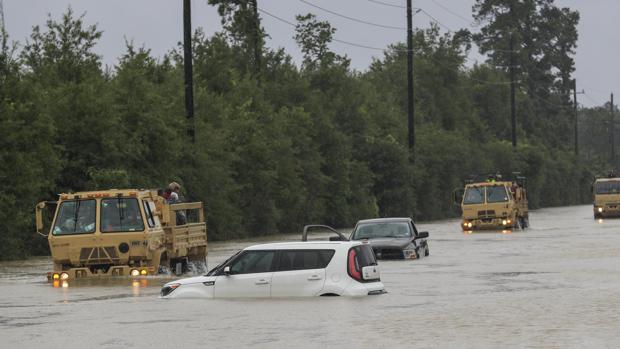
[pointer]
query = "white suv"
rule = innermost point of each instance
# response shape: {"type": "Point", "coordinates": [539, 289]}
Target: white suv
{"type": "Point", "coordinates": [289, 269]}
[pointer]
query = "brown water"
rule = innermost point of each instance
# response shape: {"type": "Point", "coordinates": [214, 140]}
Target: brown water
{"type": "Point", "coordinates": [555, 285]}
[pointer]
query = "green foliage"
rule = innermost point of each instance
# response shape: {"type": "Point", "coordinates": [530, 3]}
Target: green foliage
{"type": "Point", "coordinates": [318, 143]}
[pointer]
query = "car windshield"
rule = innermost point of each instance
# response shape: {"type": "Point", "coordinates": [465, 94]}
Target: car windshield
{"type": "Point", "coordinates": [221, 265]}
{"type": "Point", "coordinates": [382, 230]}
{"type": "Point", "coordinates": [473, 195]}
{"type": "Point", "coordinates": [497, 194]}
{"type": "Point", "coordinates": [121, 214]}
{"type": "Point", "coordinates": [609, 187]}
{"type": "Point", "coordinates": [75, 217]}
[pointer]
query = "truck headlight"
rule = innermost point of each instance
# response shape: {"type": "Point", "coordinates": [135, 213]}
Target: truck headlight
{"type": "Point", "coordinates": [64, 276]}
{"type": "Point", "coordinates": [134, 272]}
{"type": "Point", "coordinates": [600, 209]}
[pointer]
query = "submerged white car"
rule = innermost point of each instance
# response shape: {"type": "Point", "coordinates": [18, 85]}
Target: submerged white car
{"type": "Point", "coordinates": [289, 269]}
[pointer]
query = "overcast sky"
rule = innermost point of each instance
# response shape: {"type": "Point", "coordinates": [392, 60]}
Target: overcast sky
{"type": "Point", "coordinates": [157, 25]}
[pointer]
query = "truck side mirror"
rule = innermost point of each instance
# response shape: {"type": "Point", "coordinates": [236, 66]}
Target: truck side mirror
{"type": "Point", "coordinates": [422, 235]}
{"type": "Point", "coordinates": [226, 270]}
{"type": "Point", "coordinates": [39, 217]}
{"type": "Point", "coordinates": [457, 196]}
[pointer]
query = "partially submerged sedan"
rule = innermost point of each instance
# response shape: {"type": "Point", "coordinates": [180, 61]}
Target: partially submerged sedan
{"type": "Point", "coordinates": [392, 238]}
{"type": "Point", "coordinates": [289, 269]}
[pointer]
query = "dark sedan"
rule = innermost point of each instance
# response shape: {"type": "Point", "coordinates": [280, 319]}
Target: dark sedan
{"type": "Point", "coordinates": [392, 238]}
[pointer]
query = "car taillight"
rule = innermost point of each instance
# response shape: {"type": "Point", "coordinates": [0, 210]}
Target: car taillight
{"type": "Point", "coordinates": [352, 269]}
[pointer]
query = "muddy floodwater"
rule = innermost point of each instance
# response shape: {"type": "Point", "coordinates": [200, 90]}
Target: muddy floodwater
{"type": "Point", "coordinates": [555, 285]}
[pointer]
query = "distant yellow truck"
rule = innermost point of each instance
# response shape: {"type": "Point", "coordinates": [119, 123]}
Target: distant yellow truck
{"type": "Point", "coordinates": [126, 232]}
{"type": "Point", "coordinates": [494, 204]}
{"type": "Point", "coordinates": [606, 197]}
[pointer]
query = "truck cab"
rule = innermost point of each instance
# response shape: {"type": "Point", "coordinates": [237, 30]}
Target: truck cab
{"type": "Point", "coordinates": [606, 197]}
{"type": "Point", "coordinates": [494, 204]}
{"type": "Point", "coordinates": [122, 232]}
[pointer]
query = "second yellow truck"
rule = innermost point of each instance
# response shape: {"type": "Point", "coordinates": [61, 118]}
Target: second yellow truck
{"type": "Point", "coordinates": [494, 203]}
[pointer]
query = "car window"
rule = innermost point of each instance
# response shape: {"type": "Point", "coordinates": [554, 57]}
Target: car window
{"type": "Point", "coordinates": [382, 230]}
{"type": "Point", "coordinates": [150, 220]}
{"type": "Point", "coordinates": [253, 262]}
{"type": "Point", "coordinates": [473, 195]}
{"type": "Point", "coordinates": [75, 217]}
{"type": "Point", "coordinates": [121, 214]}
{"type": "Point", "coordinates": [497, 194]}
{"type": "Point", "coordinates": [364, 256]}
{"type": "Point", "coordinates": [304, 259]}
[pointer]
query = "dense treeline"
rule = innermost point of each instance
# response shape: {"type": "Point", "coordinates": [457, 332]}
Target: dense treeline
{"type": "Point", "coordinates": [279, 145]}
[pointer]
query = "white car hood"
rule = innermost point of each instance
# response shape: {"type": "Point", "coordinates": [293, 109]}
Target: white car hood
{"type": "Point", "coordinates": [192, 280]}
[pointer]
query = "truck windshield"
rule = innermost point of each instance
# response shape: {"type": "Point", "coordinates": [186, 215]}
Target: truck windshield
{"type": "Point", "coordinates": [75, 217]}
{"type": "Point", "coordinates": [121, 214]}
{"type": "Point", "coordinates": [473, 195]}
{"type": "Point", "coordinates": [382, 230]}
{"type": "Point", "coordinates": [497, 194]}
{"type": "Point", "coordinates": [611, 187]}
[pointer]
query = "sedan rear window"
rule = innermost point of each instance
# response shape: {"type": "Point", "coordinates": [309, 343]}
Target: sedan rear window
{"type": "Point", "coordinates": [304, 259]}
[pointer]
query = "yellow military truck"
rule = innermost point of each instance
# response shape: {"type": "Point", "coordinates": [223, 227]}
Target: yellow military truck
{"type": "Point", "coordinates": [494, 203]}
{"type": "Point", "coordinates": [125, 232]}
{"type": "Point", "coordinates": [606, 197]}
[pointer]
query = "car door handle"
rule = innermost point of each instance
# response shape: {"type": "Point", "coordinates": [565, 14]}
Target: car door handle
{"type": "Point", "coordinates": [262, 282]}
{"type": "Point", "coordinates": [314, 277]}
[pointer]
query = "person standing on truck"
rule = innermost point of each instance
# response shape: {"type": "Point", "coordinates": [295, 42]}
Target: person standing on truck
{"type": "Point", "coordinates": [173, 197]}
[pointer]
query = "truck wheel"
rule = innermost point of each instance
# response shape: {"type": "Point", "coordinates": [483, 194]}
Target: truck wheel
{"type": "Point", "coordinates": [521, 223]}
{"type": "Point", "coordinates": [426, 251]}
{"type": "Point", "coordinates": [178, 268]}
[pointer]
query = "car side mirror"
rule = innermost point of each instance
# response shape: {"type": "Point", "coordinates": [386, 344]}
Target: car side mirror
{"type": "Point", "coordinates": [226, 270]}
{"type": "Point", "coordinates": [422, 235]}
{"type": "Point", "coordinates": [336, 238]}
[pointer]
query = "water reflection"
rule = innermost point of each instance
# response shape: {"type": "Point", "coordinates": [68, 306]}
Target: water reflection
{"type": "Point", "coordinates": [133, 283]}
{"type": "Point", "coordinates": [470, 232]}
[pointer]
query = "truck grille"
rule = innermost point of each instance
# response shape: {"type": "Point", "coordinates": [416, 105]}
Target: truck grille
{"type": "Point", "coordinates": [487, 213]}
{"type": "Point", "coordinates": [99, 255]}
{"type": "Point", "coordinates": [388, 253]}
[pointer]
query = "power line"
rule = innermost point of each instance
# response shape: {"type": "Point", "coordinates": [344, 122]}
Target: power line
{"type": "Point", "coordinates": [447, 9]}
{"type": "Point", "coordinates": [333, 39]}
{"type": "Point", "coordinates": [352, 18]}
{"type": "Point", "coordinates": [592, 99]}
{"type": "Point", "coordinates": [435, 20]}
{"type": "Point", "coordinates": [381, 49]}
{"type": "Point", "coordinates": [387, 4]}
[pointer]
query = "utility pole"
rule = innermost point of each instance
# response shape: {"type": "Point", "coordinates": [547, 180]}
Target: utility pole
{"type": "Point", "coordinates": [611, 131]}
{"type": "Point", "coordinates": [410, 101]}
{"type": "Point", "coordinates": [513, 111]}
{"type": "Point", "coordinates": [187, 64]}
{"type": "Point", "coordinates": [3, 37]}
{"type": "Point", "coordinates": [257, 50]}
{"type": "Point", "coordinates": [575, 115]}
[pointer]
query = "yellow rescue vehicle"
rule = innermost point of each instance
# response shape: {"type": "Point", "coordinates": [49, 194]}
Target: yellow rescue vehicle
{"type": "Point", "coordinates": [125, 232]}
{"type": "Point", "coordinates": [494, 203]}
{"type": "Point", "coordinates": [606, 197]}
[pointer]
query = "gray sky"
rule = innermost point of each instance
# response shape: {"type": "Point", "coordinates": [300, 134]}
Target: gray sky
{"type": "Point", "coordinates": [157, 25]}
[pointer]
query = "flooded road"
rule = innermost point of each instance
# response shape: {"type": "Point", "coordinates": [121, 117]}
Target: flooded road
{"type": "Point", "coordinates": [555, 285]}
